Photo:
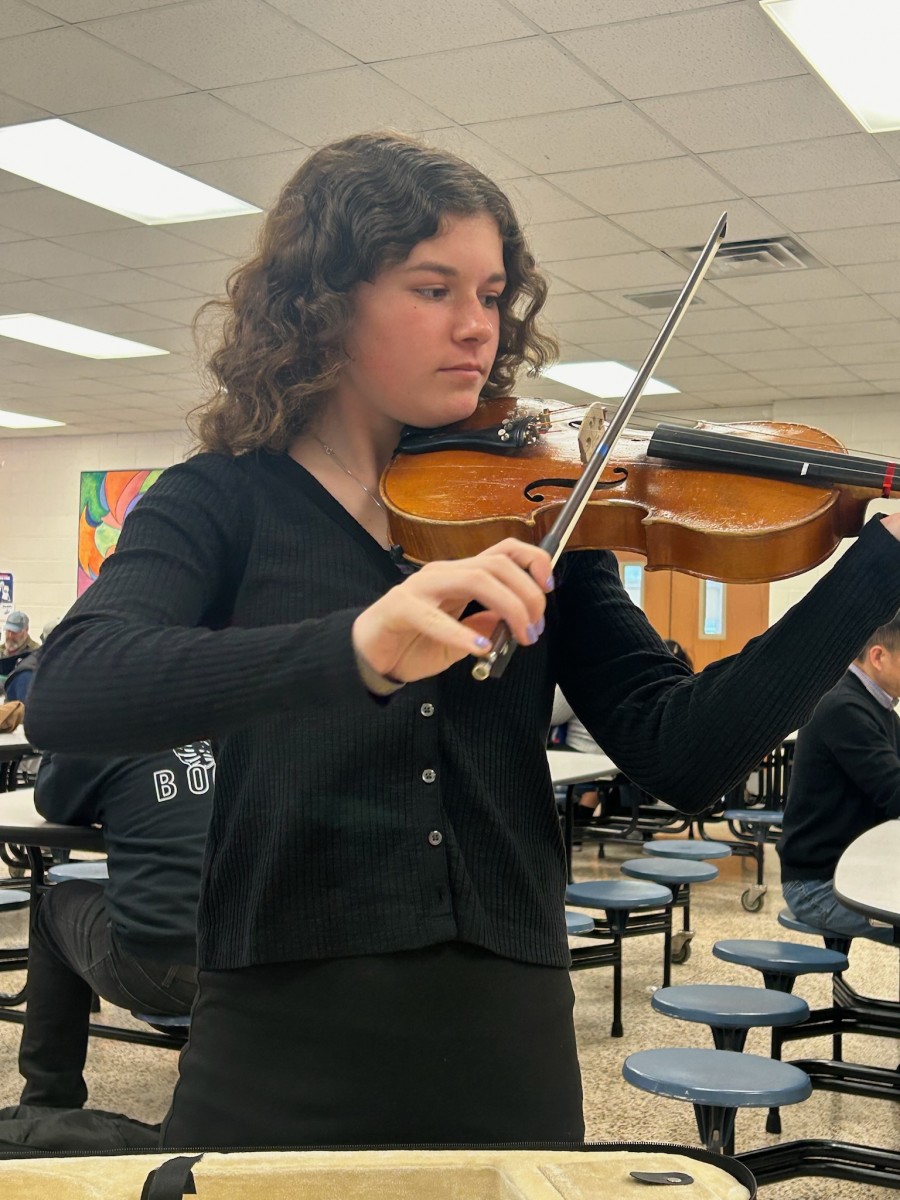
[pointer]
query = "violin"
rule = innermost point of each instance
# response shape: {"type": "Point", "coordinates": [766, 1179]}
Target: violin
{"type": "Point", "coordinates": [745, 503]}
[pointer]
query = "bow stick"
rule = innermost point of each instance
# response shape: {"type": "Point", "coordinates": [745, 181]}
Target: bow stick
{"type": "Point", "coordinates": [495, 662]}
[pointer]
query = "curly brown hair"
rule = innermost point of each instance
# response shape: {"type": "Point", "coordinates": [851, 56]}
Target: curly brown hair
{"type": "Point", "coordinates": [352, 209]}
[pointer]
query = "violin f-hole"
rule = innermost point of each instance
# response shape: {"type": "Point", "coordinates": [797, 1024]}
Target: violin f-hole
{"type": "Point", "coordinates": [538, 497]}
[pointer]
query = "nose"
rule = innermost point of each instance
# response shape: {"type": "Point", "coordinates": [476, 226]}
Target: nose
{"type": "Point", "coordinates": [475, 323]}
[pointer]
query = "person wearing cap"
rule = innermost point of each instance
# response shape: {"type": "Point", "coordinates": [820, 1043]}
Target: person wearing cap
{"type": "Point", "coordinates": [16, 642]}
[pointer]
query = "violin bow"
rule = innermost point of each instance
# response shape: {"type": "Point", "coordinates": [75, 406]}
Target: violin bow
{"type": "Point", "coordinates": [494, 663]}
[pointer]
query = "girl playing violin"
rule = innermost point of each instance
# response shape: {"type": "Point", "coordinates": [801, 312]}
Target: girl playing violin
{"type": "Point", "coordinates": [382, 946]}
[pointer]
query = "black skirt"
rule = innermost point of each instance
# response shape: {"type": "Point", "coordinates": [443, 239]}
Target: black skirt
{"type": "Point", "coordinates": [449, 1045]}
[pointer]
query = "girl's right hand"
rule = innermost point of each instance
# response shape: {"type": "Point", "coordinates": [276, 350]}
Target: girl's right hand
{"type": "Point", "coordinates": [414, 630]}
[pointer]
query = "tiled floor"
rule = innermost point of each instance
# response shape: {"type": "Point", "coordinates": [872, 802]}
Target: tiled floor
{"type": "Point", "coordinates": [138, 1080]}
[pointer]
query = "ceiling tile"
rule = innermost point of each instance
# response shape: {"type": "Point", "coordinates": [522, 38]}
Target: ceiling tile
{"type": "Point", "coordinates": [588, 235]}
{"type": "Point", "coordinates": [698, 322]}
{"type": "Point", "coordinates": [836, 208]}
{"type": "Point", "coordinates": [40, 259]}
{"type": "Point", "coordinates": [681, 371]}
{"type": "Point", "coordinates": [578, 308]}
{"type": "Point", "coordinates": [317, 108]}
{"type": "Point", "coordinates": [722, 382]}
{"type": "Point", "coordinates": [637, 187]}
{"type": "Point", "coordinates": [751, 114]}
{"type": "Point", "coordinates": [713, 47]}
{"type": "Point", "coordinates": [215, 43]}
{"type": "Point", "coordinates": [467, 144]}
{"type": "Point", "coordinates": [183, 129]}
{"type": "Point", "coordinates": [23, 18]}
{"type": "Point", "coordinates": [65, 70]}
{"type": "Point", "coordinates": [856, 333]}
{"type": "Point", "coordinates": [844, 246]}
{"type": "Point", "coordinates": [802, 166]}
{"type": "Point", "coordinates": [231, 236]}
{"type": "Point", "coordinates": [206, 278]}
{"type": "Point", "coordinates": [875, 372]}
{"type": "Point", "coordinates": [86, 10]}
{"type": "Point", "coordinates": [890, 301]}
{"type": "Point", "coordinates": [258, 179]}
{"type": "Point", "coordinates": [873, 277]}
{"type": "Point", "coordinates": [510, 79]}
{"type": "Point", "coordinates": [554, 15]}
{"type": "Point", "coordinates": [821, 312]}
{"type": "Point", "coordinates": [142, 247]}
{"type": "Point", "coordinates": [632, 271]}
{"type": "Point", "coordinates": [126, 287]}
{"type": "Point", "coordinates": [604, 135]}
{"type": "Point", "coordinates": [873, 352]}
{"type": "Point", "coordinates": [42, 212]}
{"type": "Point", "coordinates": [775, 359]}
{"type": "Point", "coordinates": [811, 284]}
{"type": "Point", "coordinates": [833, 391]}
{"type": "Point", "coordinates": [691, 226]}
{"type": "Point", "coordinates": [179, 312]}
{"type": "Point", "coordinates": [14, 112]}
{"type": "Point", "coordinates": [783, 377]}
{"type": "Point", "coordinates": [741, 341]}
{"type": "Point", "coordinates": [535, 201]}
{"type": "Point", "coordinates": [112, 319]}
{"type": "Point", "coordinates": [372, 32]}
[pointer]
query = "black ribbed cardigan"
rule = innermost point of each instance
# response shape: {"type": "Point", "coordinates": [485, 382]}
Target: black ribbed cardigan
{"type": "Point", "coordinates": [345, 825]}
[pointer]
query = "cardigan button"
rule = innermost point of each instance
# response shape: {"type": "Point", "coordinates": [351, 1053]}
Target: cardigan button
{"type": "Point", "coordinates": [427, 710]}
{"type": "Point", "coordinates": [435, 837]}
{"type": "Point", "coordinates": [429, 776]}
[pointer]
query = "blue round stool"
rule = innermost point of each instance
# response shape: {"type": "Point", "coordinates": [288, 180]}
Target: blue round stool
{"type": "Point", "coordinates": [780, 962]}
{"type": "Point", "coordinates": [618, 899]}
{"type": "Point", "coordinates": [12, 899]}
{"type": "Point", "coordinates": [758, 822]}
{"type": "Point", "coordinates": [700, 849]}
{"type": "Point", "coordinates": [730, 1011]}
{"type": "Point", "coordinates": [717, 1082]}
{"type": "Point", "coordinates": [677, 874]}
{"type": "Point", "coordinates": [96, 872]}
{"type": "Point", "coordinates": [578, 923]}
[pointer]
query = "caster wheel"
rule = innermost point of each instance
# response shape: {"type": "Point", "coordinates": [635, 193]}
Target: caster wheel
{"type": "Point", "coordinates": [682, 955]}
{"type": "Point", "coordinates": [752, 900]}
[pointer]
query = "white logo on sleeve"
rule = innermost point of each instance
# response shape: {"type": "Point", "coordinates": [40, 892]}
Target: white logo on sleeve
{"type": "Point", "coordinates": [201, 767]}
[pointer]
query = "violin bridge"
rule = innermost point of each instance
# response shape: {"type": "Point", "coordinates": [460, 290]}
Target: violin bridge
{"type": "Point", "coordinates": [593, 424]}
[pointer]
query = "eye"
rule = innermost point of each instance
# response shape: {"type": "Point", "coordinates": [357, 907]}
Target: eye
{"type": "Point", "coordinates": [491, 301]}
{"type": "Point", "coordinates": [432, 293]}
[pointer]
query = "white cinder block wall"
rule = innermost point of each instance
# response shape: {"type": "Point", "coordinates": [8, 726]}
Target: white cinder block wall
{"type": "Point", "coordinates": [40, 480]}
{"type": "Point", "coordinates": [40, 477]}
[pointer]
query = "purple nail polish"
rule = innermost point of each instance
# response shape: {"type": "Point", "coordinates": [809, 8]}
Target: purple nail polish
{"type": "Point", "coordinates": [482, 642]}
{"type": "Point", "coordinates": [550, 584]}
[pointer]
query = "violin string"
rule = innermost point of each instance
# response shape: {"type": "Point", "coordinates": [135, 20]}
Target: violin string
{"type": "Point", "coordinates": [875, 471]}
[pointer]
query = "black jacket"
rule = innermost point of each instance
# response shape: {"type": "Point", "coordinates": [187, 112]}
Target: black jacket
{"type": "Point", "coordinates": [154, 811]}
{"type": "Point", "coordinates": [845, 779]}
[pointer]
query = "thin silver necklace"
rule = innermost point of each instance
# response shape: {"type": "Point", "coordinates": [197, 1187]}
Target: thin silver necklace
{"type": "Point", "coordinates": [343, 466]}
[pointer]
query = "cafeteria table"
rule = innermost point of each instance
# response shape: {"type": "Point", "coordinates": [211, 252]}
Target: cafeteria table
{"type": "Point", "coordinates": [569, 767]}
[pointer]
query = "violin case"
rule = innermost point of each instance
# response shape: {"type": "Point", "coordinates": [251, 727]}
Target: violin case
{"type": "Point", "coordinates": [594, 1171]}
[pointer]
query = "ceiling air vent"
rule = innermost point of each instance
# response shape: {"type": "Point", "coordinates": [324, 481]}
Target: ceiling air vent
{"type": "Point", "coordinates": [661, 299]}
{"type": "Point", "coordinates": [755, 256]}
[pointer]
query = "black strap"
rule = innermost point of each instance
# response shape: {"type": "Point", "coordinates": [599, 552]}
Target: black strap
{"type": "Point", "coordinates": [172, 1180]}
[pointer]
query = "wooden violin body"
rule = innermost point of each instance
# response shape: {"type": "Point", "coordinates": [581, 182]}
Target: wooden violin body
{"type": "Point", "coordinates": [718, 524]}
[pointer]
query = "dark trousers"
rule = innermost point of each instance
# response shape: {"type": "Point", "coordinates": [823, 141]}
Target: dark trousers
{"type": "Point", "coordinates": [72, 953]}
{"type": "Point", "coordinates": [449, 1044]}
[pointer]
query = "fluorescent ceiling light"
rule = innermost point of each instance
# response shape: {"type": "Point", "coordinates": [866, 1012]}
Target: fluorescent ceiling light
{"type": "Point", "coordinates": [73, 339]}
{"type": "Point", "coordinates": [81, 164]}
{"type": "Point", "coordinates": [852, 45]}
{"type": "Point", "coordinates": [11, 420]}
{"type": "Point", "coordinates": [606, 379]}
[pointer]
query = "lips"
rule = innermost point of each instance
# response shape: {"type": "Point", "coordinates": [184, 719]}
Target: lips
{"type": "Point", "coordinates": [465, 367]}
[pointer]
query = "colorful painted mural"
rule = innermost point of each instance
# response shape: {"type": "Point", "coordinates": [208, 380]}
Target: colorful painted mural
{"type": "Point", "coordinates": [107, 497]}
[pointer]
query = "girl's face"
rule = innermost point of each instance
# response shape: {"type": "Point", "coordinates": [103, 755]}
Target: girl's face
{"type": "Point", "coordinates": [425, 332]}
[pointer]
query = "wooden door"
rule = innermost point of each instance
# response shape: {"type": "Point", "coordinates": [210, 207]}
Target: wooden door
{"type": "Point", "coordinates": [674, 603]}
